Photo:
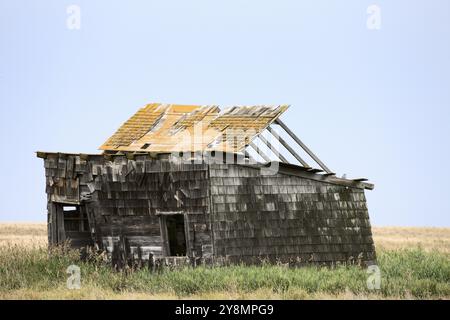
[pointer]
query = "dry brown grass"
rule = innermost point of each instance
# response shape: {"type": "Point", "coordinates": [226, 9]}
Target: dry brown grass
{"type": "Point", "coordinates": [388, 238]}
{"type": "Point", "coordinates": [30, 284]}
{"type": "Point", "coordinates": [94, 293]}
{"type": "Point", "coordinates": [23, 234]}
{"type": "Point", "coordinates": [429, 239]}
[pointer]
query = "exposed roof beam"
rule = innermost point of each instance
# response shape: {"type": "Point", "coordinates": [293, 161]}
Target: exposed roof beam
{"type": "Point", "coordinates": [307, 150]}
{"type": "Point", "coordinates": [288, 147]}
{"type": "Point", "coordinates": [273, 149]}
{"type": "Point", "coordinates": [259, 152]}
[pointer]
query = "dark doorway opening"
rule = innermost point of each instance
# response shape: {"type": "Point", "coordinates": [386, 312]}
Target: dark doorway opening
{"type": "Point", "coordinates": [75, 219]}
{"type": "Point", "coordinates": [176, 235]}
{"type": "Point", "coordinates": [74, 226]}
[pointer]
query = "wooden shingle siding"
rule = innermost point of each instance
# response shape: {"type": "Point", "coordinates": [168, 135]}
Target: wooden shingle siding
{"type": "Point", "coordinates": [287, 218]}
{"type": "Point", "coordinates": [231, 212]}
{"type": "Point", "coordinates": [123, 198]}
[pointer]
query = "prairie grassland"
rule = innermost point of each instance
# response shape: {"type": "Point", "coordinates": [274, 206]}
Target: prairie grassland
{"type": "Point", "coordinates": [386, 238]}
{"type": "Point", "coordinates": [428, 239]}
{"type": "Point", "coordinates": [414, 263]}
{"type": "Point", "coordinates": [23, 234]}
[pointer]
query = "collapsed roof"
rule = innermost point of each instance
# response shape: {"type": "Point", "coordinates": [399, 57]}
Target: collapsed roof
{"type": "Point", "coordinates": [169, 128]}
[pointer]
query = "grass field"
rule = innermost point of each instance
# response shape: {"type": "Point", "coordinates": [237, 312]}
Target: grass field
{"type": "Point", "coordinates": [414, 263]}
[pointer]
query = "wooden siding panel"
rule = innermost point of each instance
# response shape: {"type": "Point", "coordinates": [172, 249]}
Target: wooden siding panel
{"type": "Point", "coordinates": [287, 218]}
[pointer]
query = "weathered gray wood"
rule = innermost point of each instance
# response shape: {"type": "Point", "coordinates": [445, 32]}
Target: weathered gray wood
{"type": "Point", "coordinates": [164, 236]}
{"type": "Point", "coordinates": [307, 150]}
{"type": "Point", "coordinates": [42, 155]}
{"type": "Point", "coordinates": [232, 213]}
{"type": "Point", "coordinates": [187, 229]}
{"type": "Point", "coordinates": [259, 152]}
{"type": "Point", "coordinates": [301, 219]}
{"type": "Point", "coordinates": [61, 235]}
{"type": "Point", "coordinates": [273, 149]}
{"type": "Point", "coordinates": [53, 225]}
{"type": "Point", "coordinates": [288, 147]}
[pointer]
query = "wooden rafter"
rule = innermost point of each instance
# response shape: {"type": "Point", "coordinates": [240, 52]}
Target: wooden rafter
{"type": "Point", "coordinates": [259, 152]}
{"type": "Point", "coordinates": [301, 144]}
{"type": "Point", "coordinates": [273, 149]}
{"type": "Point", "coordinates": [288, 147]}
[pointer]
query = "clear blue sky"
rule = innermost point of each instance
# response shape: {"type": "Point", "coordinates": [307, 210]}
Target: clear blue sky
{"type": "Point", "coordinates": [370, 103]}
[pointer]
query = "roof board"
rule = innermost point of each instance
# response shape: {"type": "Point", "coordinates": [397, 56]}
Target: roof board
{"type": "Point", "coordinates": [174, 128]}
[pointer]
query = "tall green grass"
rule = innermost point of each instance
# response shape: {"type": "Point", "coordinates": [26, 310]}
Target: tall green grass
{"type": "Point", "coordinates": [404, 273]}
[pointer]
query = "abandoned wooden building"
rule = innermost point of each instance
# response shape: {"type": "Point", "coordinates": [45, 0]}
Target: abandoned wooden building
{"type": "Point", "coordinates": [230, 186]}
